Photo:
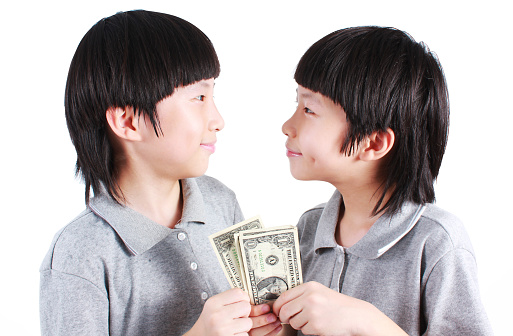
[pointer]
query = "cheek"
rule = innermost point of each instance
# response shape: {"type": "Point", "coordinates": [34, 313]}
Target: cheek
{"type": "Point", "coordinates": [184, 129]}
{"type": "Point", "coordinates": [316, 146]}
{"type": "Point", "coordinates": [179, 143]}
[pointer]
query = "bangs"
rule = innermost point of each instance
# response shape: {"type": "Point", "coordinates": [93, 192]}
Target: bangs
{"type": "Point", "coordinates": [383, 79]}
{"type": "Point", "coordinates": [159, 52]}
{"type": "Point", "coordinates": [336, 67]}
{"type": "Point", "coordinates": [137, 59]}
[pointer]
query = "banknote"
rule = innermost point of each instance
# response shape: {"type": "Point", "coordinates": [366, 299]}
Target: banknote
{"type": "Point", "coordinates": [271, 262]}
{"type": "Point", "coordinates": [237, 252]}
{"type": "Point", "coordinates": [226, 250]}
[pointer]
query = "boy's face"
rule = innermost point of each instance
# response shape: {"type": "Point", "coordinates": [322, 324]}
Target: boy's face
{"type": "Point", "coordinates": [189, 120]}
{"type": "Point", "coordinates": [316, 132]}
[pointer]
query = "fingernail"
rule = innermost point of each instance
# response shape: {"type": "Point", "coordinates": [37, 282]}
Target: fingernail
{"type": "Point", "coordinates": [265, 308]}
{"type": "Point", "coordinates": [271, 318]}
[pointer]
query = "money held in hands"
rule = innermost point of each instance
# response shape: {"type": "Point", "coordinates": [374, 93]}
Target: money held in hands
{"type": "Point", "coordinates": [226, 250]}
{"type": "Point", "coordinates": [264, 262]}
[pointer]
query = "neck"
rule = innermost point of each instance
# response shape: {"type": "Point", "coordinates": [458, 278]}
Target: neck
{"type": "Point", "coordinates": [159, 200]}
{"type": "Point", "coordinates": [356, 215]}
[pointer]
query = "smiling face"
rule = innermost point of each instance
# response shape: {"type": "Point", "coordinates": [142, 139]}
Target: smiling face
{"type": "Point", "coordinates": [189, 121]}
{"type": "Point", "coordinates": [316, 133]}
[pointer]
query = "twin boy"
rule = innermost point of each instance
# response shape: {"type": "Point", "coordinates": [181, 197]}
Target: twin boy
{"type": "Point", "coordinates": [372, 119]}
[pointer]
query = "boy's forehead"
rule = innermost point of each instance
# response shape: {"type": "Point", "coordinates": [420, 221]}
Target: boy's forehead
{"type": "Point", "coordinates": [202, 84]}
{"type": "Point", "coordinates": [315, 98]}
{"type": "Point", "coordinates": [305, 93]}
{"type": "Point", "coordinates": [207, 82]}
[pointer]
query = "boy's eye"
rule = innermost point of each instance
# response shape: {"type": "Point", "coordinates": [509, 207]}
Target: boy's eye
{"type": "Point", "coordinates": [200, 98]}
{"type": "Point", "coordinates": [308, 111]}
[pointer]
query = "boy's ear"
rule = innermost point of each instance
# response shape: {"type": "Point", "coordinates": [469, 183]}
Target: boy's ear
{"type": "Point", "coordinates": [377, 145]}
{"type": "Point", "coordinates": [124, 123]}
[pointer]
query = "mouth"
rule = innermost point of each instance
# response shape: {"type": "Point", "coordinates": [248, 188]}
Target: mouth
{"type": "Point", "coordinates": [211, 146]}
{"type": "Point", "coordinates": [291, 153]}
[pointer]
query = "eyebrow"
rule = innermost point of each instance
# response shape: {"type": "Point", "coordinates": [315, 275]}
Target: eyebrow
{"type": "Point", "coordinates": [201, 84]}
{"type": "Point", "coordinates": [308, 95]}
{"type": "Point", "coordinates": [206, 84]}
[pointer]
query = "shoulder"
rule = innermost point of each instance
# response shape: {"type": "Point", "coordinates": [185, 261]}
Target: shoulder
{"type": "Point", "coordinates": [450, 271]}
{"type": "Point", "coordinates": [218, 200]}
{"type": "Point", "coordinates": [313, 213]}
{"type": "Point", "coordinates": [442, 242]}
{"type": "Point", "coordinates": [79, 244]}
{"type": "Point", "coordinates": [310, 218]}
{"type": "Point", "coordinates": [444, 229]}
{"type": "Point", "coordinates": [212, 186]}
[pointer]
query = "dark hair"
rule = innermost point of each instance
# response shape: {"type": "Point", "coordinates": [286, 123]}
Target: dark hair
{"type": "Point", "coordinates": [383, 79]}
{"type": "Point", "coordinates": [131, 59]}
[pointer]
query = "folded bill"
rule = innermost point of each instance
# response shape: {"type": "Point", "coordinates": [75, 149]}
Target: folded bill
{"type": "Point", "coordinates": [264, 262]}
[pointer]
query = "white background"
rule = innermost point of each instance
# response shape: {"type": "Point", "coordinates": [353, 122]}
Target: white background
{"type": "Point", "coordinates": [258, 43]}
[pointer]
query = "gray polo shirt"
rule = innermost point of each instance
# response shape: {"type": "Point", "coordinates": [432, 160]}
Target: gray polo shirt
{"type": "Point", "coordinates": [113, 271]}
{"type": "Point", "coordinates": [417, 267]}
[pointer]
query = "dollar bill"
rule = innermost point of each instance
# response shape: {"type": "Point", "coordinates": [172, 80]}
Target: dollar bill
{"type": "Point", "coordinates": [271, 262]}
{"type": "Point", "coordinates": [238, 252]}
{"type": "Point", "coordinates": [227, 251]}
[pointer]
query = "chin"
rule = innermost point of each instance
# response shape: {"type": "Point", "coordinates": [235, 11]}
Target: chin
{"type": "Point", "coordinates": [196, 171]}
{"type": "Point", "coordinates": [298, 175]}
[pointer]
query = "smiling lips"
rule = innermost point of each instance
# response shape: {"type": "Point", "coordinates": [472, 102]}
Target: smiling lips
{"type": "Point", "coordinates": [211, 147]}
{"type": "Point", "coordinates": [291, 153]}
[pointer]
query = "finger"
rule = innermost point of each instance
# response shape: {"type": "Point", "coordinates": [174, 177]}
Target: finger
{"type": "Point", "coordinates": [263, 320]}
{"type": "Point", "coordinates": [298, 321]}
{"type": "Point", "coordinates": [290, 309]}
{"type": "Point", "coordinates": [267, 330]}
{"type": "Point", "coordinates": [228, 297]}
{"type": "Point", "coordinates": [276, 330]}
{"type": "Point", "coordinates": [236, 295]}
{"type": "Point", "coordinates": [241, 326]}
{"type": "Point", "coordinates": [286, 297]}
{"type": "Point", "coordinates": [236, 310]}
{"type": "Point", "coordinates": [260, 309]}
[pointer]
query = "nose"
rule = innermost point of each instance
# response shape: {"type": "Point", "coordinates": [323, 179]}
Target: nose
{"type": "Point", "coordinates": [288, 127]}
{"type": "Point", "coordinates": [216, 121]}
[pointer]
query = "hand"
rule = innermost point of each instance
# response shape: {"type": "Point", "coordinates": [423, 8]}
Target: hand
{"type": "Point", "coordinates": [264, 324]}
{"type": "Point", "coordinates": [224, 314]}
{"type": "Point", "coordinates": [318, 310]}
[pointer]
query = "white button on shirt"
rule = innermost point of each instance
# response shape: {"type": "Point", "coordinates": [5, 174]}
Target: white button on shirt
{"type": "Point", "coordinates": [204, 295]}
{"type": "Point", "coordinates": [194, 266]}
{"type": "Point", "coordinates": [182, 236]}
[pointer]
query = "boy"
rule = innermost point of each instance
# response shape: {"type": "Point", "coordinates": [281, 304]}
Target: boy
{"type": "Point", "coordinates": [140, 112]}
{"type": "Point", "coordinates": [372, 119]}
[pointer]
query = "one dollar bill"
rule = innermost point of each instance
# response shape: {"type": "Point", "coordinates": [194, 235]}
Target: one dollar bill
{"type": "Point", "coordinates": [271, 262]}
{"type": "Point", "coordinates": [264, 262]}
{"type": "Point", "coordinates": [227, 251]}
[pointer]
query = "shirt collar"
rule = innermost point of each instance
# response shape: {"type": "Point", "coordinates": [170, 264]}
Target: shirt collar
{"type": "Point", "coordinates": [138, 232]}
{"type": "Point", "coordinates": [385, 233]}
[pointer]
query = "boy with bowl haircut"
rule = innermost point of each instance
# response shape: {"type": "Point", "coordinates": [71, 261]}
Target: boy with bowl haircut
{"type": "Point", "coordinates": [379, 258]}
{"type": "Point", "coordinates": [140, 112]}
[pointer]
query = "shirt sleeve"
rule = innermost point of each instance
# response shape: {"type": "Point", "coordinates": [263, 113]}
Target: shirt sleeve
{"type": "Point", "coordinates": [452, 303]}
{"type": "Point", "coordinates": [71, 305]}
